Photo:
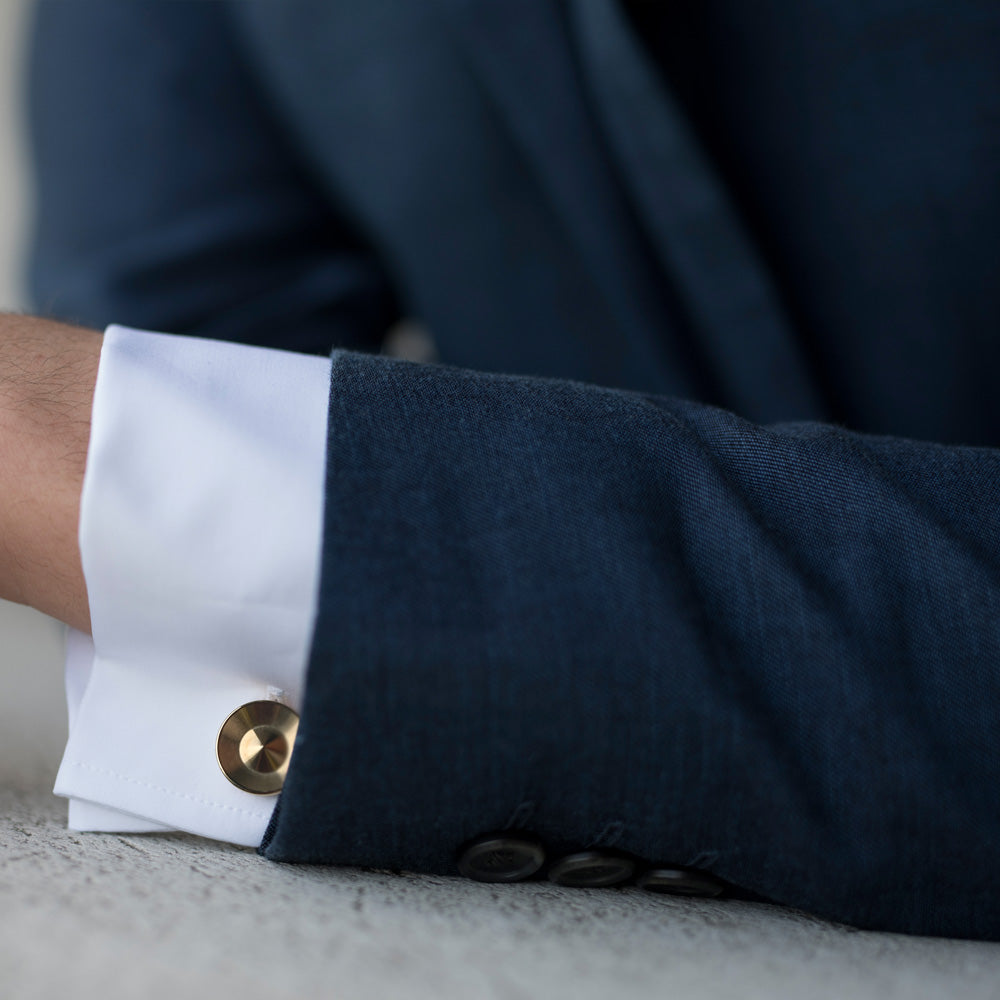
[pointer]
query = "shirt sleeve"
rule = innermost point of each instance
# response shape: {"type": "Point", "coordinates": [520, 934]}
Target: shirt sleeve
{"type": "Point", "coordinates": [200, 529]}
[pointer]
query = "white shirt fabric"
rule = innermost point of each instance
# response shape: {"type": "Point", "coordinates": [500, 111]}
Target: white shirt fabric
{"type": "Point", "coordinates": [200, 531]}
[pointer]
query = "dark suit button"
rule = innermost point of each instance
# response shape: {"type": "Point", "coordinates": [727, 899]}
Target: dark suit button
{"type": "Point", "coordinates": [501, 858]}
{"type": "Point", "coordinates": [592, 869]}
{"type": "Point", "coordinates": [681, 882]}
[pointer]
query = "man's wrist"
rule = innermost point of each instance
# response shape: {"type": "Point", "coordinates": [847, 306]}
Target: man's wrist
{"type": "Point", "coordinates": [47, 375]}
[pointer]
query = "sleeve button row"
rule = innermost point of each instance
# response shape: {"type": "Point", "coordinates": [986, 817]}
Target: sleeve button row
{"type": "Point", "coordinates": [503, 857]}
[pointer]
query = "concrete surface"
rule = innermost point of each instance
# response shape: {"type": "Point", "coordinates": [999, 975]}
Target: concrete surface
{"type": "Point", "coordinates": [103, 916]}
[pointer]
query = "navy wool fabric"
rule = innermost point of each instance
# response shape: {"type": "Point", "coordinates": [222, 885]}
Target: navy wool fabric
{"type": "Point", "coordinates": [771, 652]}
{"type": "Point", "coordinates": [708, 571]}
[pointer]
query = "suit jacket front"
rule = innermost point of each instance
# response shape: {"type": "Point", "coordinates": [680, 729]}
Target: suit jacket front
{"type": "Point", "coordinates": [710, 574]}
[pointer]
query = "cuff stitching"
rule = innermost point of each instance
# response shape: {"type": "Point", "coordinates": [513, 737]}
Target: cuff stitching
{"type": "Point", "coordinates": [157, 788]}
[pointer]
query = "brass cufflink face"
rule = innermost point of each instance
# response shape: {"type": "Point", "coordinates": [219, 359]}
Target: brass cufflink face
{"type": "Point", "coordinates": [255, 745]}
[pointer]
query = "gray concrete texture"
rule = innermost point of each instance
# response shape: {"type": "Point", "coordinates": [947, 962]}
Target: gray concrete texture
{"type": "Point", "coordinates": [107, 916]}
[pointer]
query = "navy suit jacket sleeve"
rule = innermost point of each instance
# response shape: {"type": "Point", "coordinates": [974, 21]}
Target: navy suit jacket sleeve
{"type": "Point", "coordinates": [169, 196]}
{"type": "Point", "coordinates": [625, 620]}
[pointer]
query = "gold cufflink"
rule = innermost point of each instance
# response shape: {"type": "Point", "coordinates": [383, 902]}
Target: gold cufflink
{"type": "Point", "coordinates": [255, 745]}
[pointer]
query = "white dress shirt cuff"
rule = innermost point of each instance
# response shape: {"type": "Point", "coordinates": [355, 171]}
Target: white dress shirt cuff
{"type": "Point", "coordinates": [200, 531]}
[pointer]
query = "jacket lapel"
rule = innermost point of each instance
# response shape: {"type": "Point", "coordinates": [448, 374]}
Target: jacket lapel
{"type": "Point", "coordinates": [520, 52]}
{"type": "Point", "coordinates": [724, 286]}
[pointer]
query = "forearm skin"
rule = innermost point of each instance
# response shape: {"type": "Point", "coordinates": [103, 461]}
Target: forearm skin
{"type": "Point", "coordinates": [47, 376]}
